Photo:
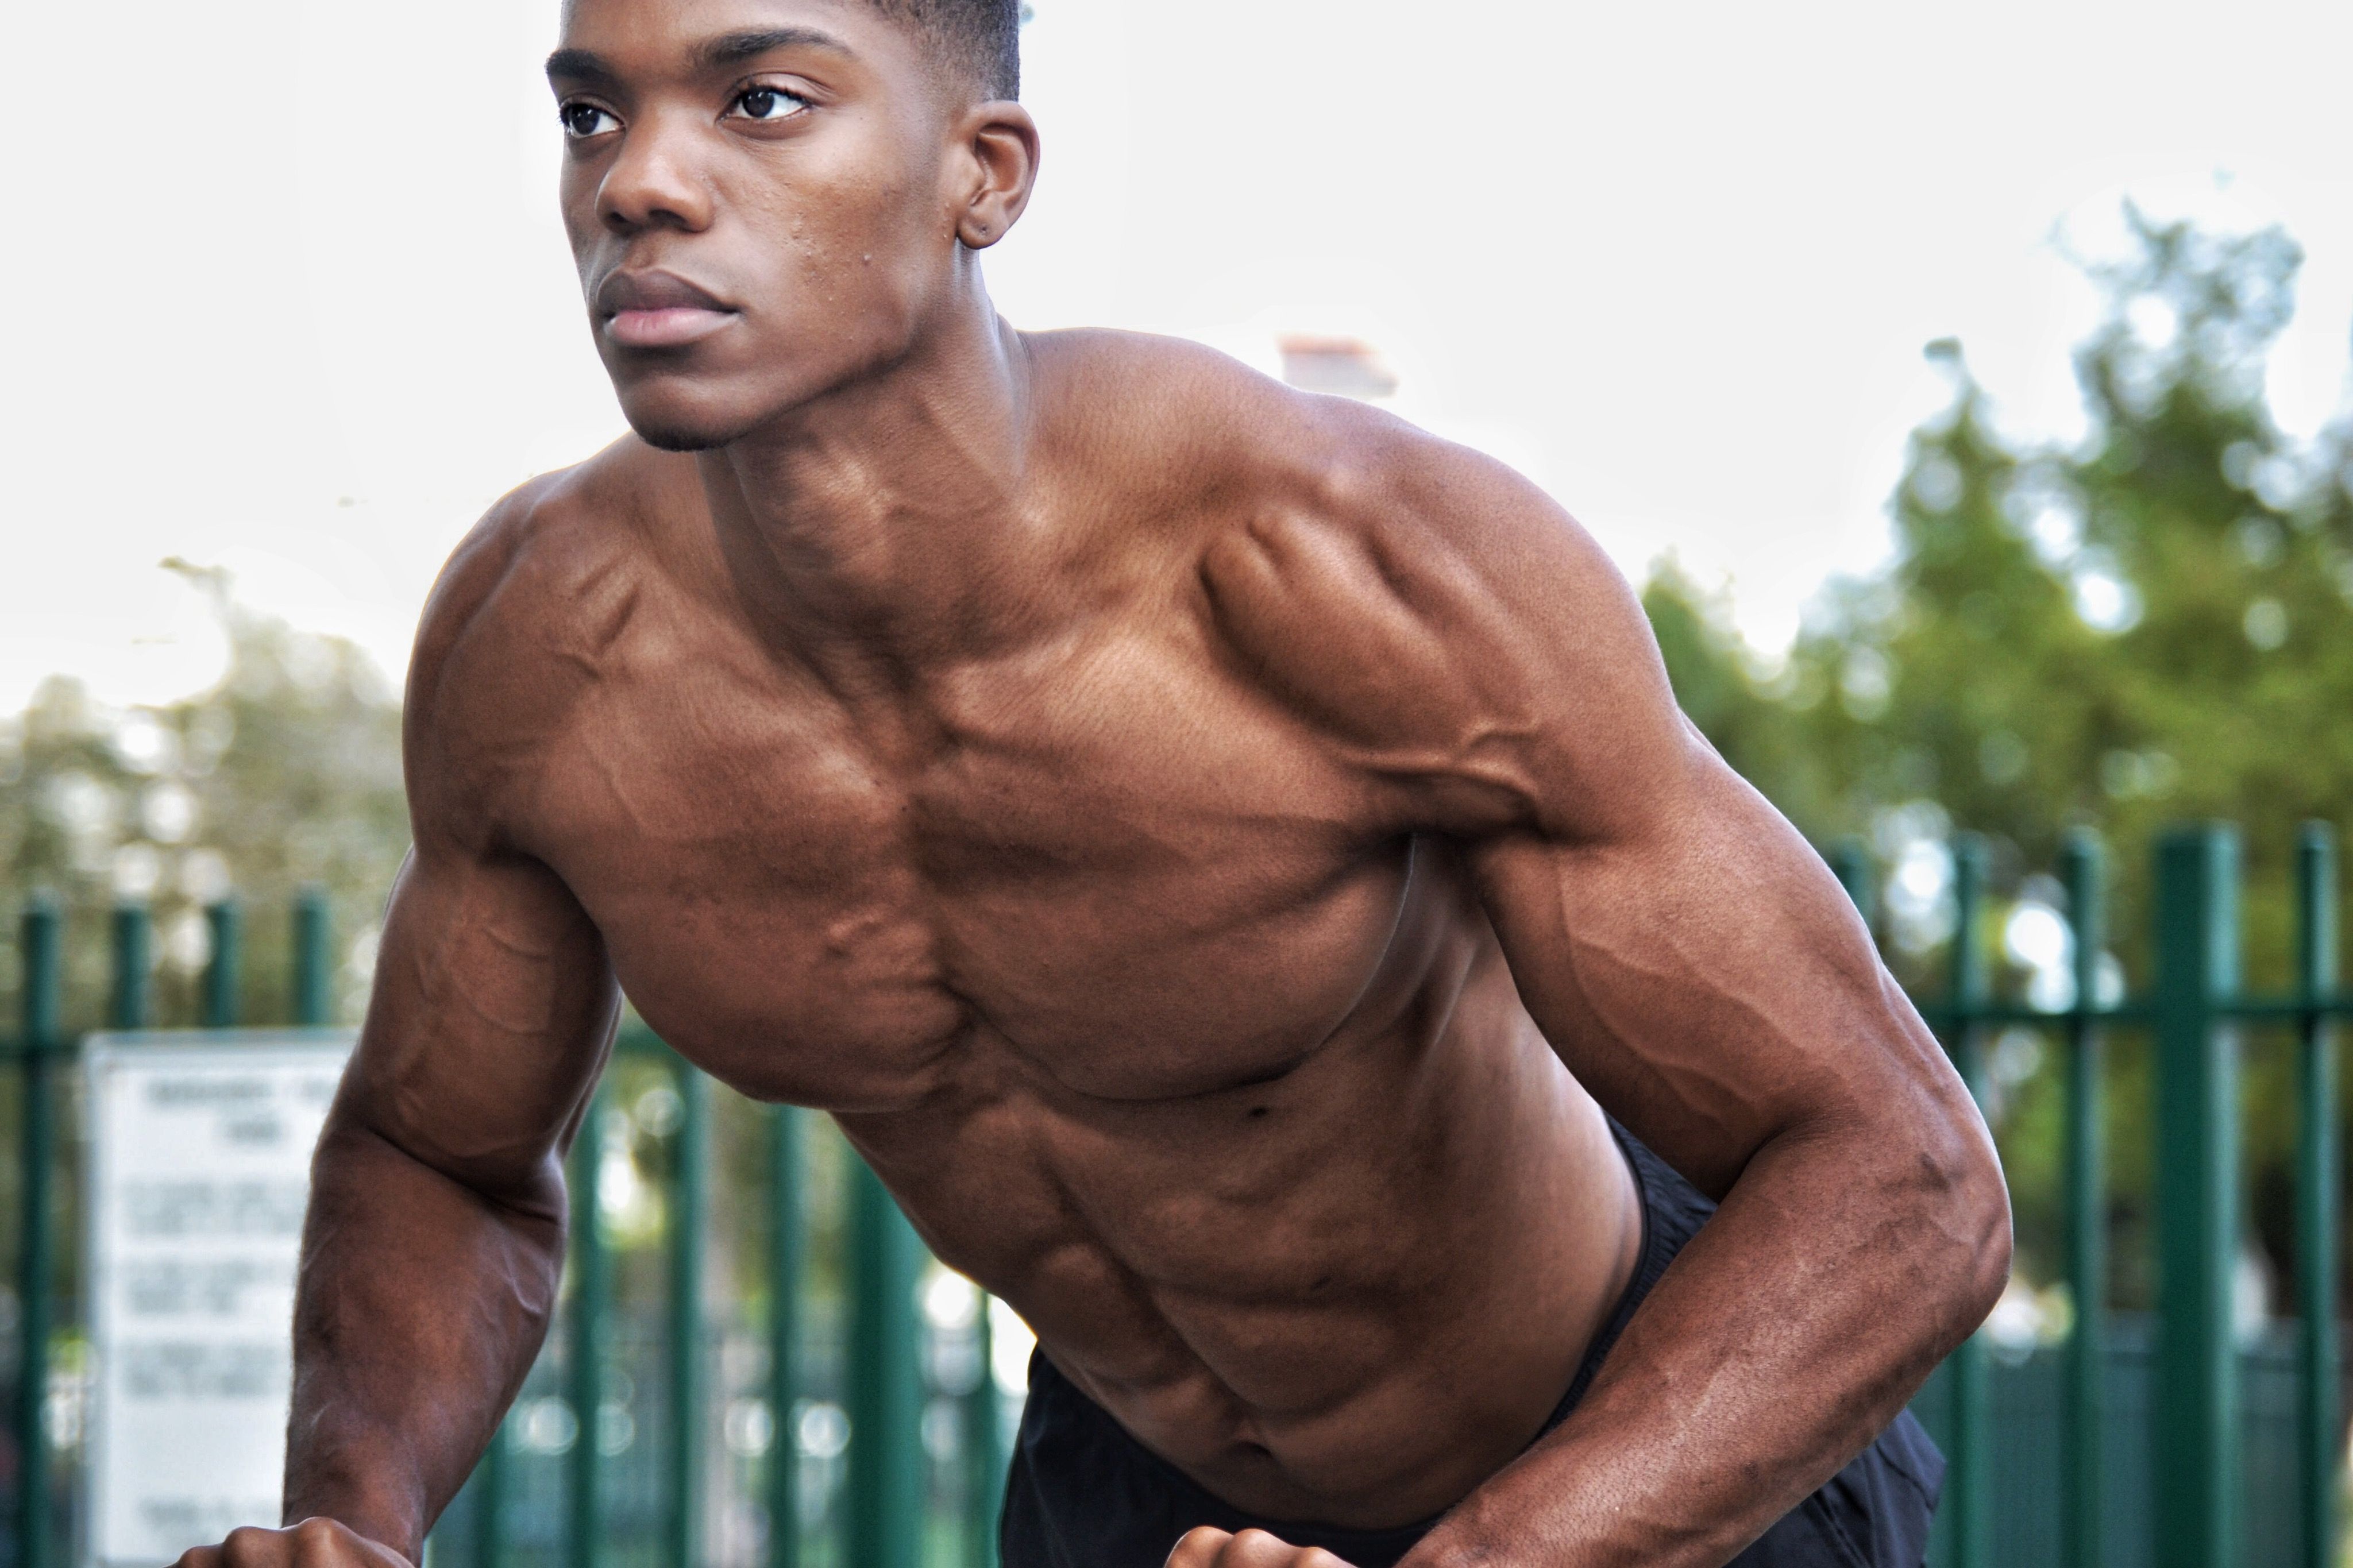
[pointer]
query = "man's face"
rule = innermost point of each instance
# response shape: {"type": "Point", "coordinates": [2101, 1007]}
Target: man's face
{"type": "Point", "coordinates": [756, 195]}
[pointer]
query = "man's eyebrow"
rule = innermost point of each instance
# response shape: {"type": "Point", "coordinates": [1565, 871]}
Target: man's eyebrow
{"type": "Point", "coordinates": [580, 65]}
{"type": "Point", "coordinates": [733, 48]}
{"type": "Point", "coordinates": [712, 55]}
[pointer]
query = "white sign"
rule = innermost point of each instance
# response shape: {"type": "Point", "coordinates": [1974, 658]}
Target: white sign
{"type": "Point", "coordinates": [199, 1172]}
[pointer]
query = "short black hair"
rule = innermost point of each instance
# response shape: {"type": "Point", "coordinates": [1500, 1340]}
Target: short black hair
{"type": "Point", "coordinates": [980, 39]}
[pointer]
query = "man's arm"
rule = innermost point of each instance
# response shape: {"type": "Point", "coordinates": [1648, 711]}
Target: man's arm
{"type": "Point", "coordinates": [1701, 972]}
{"type": "Point", "coordinates": [1696, 968]}
{"type": "Point", "coordinates": [435, 1237]}
{"type": "Point", "coordinates": [435, 1240]}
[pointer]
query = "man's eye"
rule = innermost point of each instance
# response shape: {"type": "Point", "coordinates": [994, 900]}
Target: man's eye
{"type": "Point", "coordinates": [582, 119]}
{"type": "Point", "coordinates": [768, 103]}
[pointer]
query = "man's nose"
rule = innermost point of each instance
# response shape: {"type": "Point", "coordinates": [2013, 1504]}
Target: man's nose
{"type": "Point", "coordinates": [655, 180]}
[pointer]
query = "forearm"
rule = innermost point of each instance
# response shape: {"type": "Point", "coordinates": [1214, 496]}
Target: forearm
{"type": "Point", "coordinates": [1843, 1265]}
{"type": "Point", "coordinates": [421, 1304]}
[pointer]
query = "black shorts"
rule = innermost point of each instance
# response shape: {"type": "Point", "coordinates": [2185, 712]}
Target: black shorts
{"type": "Point", "coordinates": [1084, 1494]}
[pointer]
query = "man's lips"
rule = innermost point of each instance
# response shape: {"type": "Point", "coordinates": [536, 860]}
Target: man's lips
{"type": "Point", "coordinates": [659, 310]}
{"type": "Point", "coordinates": [664, 329]}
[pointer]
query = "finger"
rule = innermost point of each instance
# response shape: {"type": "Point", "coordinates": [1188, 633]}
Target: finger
{"type": "Point", "coordinates": [1258, 1549]}
{"type": "Point", "coordinates": [200, 1557]}
{"type": "Point", "coordinates": [322, 1543]}
{"type": "Point", "coordinates": [318, 1542]}
{"type": "Point", "coordinates": [1199, 1548]}
{"type": "Point", "coordinates": [251, 1546]}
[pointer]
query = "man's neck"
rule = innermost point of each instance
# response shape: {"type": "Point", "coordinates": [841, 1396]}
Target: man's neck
{"type": "Point", "coordinates": [880, 527]}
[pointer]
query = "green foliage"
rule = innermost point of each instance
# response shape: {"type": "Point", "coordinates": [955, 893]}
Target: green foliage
{"type": "Point", "coordinates": [2152, 626]}
{"type": "Point", "coordinates": [286, 774]}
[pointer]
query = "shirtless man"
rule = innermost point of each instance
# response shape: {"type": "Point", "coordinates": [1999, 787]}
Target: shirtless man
{"type": "Point", "coordinates": [1230, 862]}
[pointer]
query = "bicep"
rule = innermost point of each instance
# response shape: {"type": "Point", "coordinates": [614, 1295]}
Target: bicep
{"type": "Point", "coordinates": [493, 1010]}
{"type": "Point", "coordinates": [1690, 958]}
{"type": "Point", "coordinates": [1475, 655]}
{"type": "Point", "coordinates": [493, 1004]}
{"type": "Point", "coordinates": [1703, 973]}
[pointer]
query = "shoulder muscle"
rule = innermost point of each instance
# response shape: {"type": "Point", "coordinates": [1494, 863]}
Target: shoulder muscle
{"type": "Point", "coordinates": [523, 619]}
{"type": "Point", "coordinates": [1447, 622]}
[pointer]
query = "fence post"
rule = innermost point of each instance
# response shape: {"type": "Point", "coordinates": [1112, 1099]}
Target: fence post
{"type": "Point", "coordinates": [130, 1001]}
{"type": "Point", "coordinates": [584, 1351]}
{"type": "Point", "coordinates": [787, 1249]}
{"type": "Point", "coordinates": [490, 1501]}
{"type": "Point", "coordinates": [2316, 1185]}
{"type": "Point", "coordinates": [43, 1044]}
{"type": "Point", "coordinates": [886, 1396]}
{"type": "Point", "coordinates": [984, 1440]}
{"type": "Point", "coordinates": [689, 1196]}
{"type": "Point", "coordinates": [2084, 870]}
{"type": "Point", "coordinates": [1851, 864]}
{"type": "Point", "coordinates": [1968, 1483]}
{"type": "Point", "coordinates": [314, 970]}
{"type": "Point", "coordinates": [2197, 1199]}
{"type": "Point", "coordinates": [223, 974]}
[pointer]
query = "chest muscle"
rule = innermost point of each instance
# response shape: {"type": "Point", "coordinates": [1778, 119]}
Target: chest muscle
{"type": "Point", "coordinates": [1143, 892]}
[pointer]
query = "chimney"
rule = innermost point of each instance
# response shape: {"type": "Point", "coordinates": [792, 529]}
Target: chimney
{"type": "Point", "coordinates": [1349, 367]}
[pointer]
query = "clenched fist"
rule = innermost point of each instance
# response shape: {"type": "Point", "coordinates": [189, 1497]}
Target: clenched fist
{"type": "Point", "coordinates": [1207, 1548]}
{"type": "Point", "coordinates": [313, 1544]}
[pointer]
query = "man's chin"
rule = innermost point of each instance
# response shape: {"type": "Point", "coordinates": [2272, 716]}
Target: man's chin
{"type": "Point", "coordinates": [675, 425]}
{"type": "Point", "coordinates": [678, 437]}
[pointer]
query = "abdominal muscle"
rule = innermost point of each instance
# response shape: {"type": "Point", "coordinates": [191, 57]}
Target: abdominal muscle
{"type": "Point", "coordinates": [1345, 1296]}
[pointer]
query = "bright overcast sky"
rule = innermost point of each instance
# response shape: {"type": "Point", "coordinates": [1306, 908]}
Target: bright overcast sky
{"type": "Point", "coordinates": [293, 298]}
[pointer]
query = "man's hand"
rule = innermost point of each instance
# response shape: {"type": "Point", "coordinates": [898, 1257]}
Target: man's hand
{"type": "Point", "coordinates": [313, 1543]}
{"type": "Point", "coordinates": [1207, 1548]}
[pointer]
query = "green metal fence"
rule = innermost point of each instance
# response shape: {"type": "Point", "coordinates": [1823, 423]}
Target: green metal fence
{"type": "Point", "coordinates": [2188, 1414]}
{"type": "Point", "coordinates": [906, 1501]}
{"type": "Point", "coordinates": [621, 1505]}
{"type": "Point", "coordinates": [2143, 1439]}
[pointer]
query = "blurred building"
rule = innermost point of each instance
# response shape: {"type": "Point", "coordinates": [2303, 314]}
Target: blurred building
{"type": "Point", "coordinates": [1345, 366]}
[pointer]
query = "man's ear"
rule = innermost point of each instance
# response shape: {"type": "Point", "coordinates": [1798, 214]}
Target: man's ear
{"type": "Point", "coordinates": [999, 141]}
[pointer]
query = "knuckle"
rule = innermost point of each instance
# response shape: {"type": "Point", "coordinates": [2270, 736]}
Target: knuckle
{"type": "Point", "coordinates": [319, 1541]}
{"type": "Point", "coordinates": [1264, 1549]}
{"type": "Point", "coordinates": [1258, 1549]}
{"type": "Point", "coordinates": [251, 1546]}
{"type": "Point", "coordinates": [1197, 1547]}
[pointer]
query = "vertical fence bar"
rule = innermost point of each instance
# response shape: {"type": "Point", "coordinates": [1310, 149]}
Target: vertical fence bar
{"type": "Point", "coordinates": [43, 1044]}
{"type": "Point", "coordinates": [130, 1001]}
{"type": "Point", "coordinates": [1967, 1480]}
{"type": "Point", "coordinates": [886, 1452]}
{"type": "Point", "coordinates": [1850, 861]}
{"type": "Point", "coordinates": [592, 1287]}
{"type": "Point", "coordinates": [225, 970]}
{"type": "Point", "coordinates": [2082, 867]}
{"type": "Point", "coordinates": [787, 1254]}
{"type": "Point", "coordinates": [2316, 1186]}
{"type": "Point", "coordinates": [490, 1501]}
{"type": "Point", "coordinates": [983, 1447]}
{"type": "Point", "coordinates": [2197, 1199]}
{"type": "Point", "coordinates": [689, 1200]}
{"type": "Point", "coordinates": [314, 969]}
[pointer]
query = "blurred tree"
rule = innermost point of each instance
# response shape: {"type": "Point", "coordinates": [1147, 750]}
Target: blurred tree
{"type": "Point", "coordinates": [286, 774]}
{"type": "Point", "coordinates": [2155, 626]}
{"type": "Point", "coordinates": [1743, 710]}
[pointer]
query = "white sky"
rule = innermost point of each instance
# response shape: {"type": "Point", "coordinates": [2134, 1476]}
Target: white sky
{"type": "Point", "coordinates": [293, 298]}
